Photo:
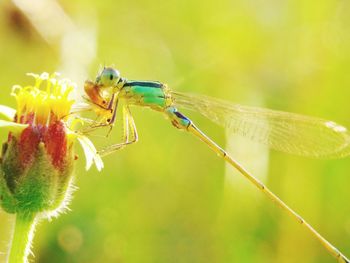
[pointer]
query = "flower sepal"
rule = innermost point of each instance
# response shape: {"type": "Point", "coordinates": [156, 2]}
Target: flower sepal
{"type": "Point", "coordinates": [32, 181]}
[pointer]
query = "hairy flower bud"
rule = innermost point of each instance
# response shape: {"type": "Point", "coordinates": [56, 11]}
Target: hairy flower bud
{"type": "Point", "coordinates": [36, 166]}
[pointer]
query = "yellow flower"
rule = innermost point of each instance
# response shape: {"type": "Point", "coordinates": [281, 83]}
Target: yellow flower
{"type": "Point", "coordinates": [46, 111]}
{"type": "Point", "coordinates": [38, 157]}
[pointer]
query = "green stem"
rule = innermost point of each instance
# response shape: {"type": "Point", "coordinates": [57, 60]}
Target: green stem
{"type": "Point", "coordinates": [22, 238]}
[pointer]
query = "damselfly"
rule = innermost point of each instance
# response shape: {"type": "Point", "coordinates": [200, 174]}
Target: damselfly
{"type": "Point", "coordinates": [287, 132]}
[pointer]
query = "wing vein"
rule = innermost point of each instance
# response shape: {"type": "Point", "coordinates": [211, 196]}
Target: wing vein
{"type": "Point", "coordinates": [283, 131]}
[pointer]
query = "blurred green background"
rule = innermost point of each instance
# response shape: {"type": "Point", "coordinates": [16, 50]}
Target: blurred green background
{"type": "Point", "coordinates": [168, 198]}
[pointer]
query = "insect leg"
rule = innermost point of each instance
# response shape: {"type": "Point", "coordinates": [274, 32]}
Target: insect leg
{"type": "Point", "coordinates": [130, 135]}
{"type": "Point", "coordinates": [109, 121]}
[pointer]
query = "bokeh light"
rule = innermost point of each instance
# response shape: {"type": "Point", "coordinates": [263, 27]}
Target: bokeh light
{"type": "Point", "coordinates": [168, 198]}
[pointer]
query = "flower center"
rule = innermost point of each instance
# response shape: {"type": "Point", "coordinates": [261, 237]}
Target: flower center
{"type": "Point", "coordinates": [44, 103]}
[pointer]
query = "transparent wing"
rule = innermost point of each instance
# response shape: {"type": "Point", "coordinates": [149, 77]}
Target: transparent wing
{"type": "Point", "coordinates": [282, 131]}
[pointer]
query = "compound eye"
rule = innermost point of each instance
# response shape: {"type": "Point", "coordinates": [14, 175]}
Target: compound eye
{"type": "Point", "coordinates": [109, 77]}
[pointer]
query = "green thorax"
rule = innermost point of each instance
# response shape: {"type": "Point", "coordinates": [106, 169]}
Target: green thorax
{"type": "Point", "coordinates": [146, 93]}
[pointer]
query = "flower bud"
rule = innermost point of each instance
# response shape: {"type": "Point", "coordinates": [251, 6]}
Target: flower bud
{"type": "Point", "coordinates": [37, 160]}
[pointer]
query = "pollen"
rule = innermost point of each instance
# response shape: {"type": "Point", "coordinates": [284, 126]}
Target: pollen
{"type": "Point", "coordinates": [45, 102]}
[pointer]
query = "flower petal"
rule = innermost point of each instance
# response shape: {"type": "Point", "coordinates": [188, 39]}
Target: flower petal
{"type": "Point", "coordinates": [90, 151]}
{"type": "Point", "coordinates": [7, 112]}
{"type": "Point", "coordinates": [12, 126]}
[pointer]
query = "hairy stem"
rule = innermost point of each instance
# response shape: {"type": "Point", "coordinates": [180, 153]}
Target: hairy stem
{"type": "Point", "coordinates": [22, 238]}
